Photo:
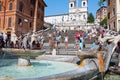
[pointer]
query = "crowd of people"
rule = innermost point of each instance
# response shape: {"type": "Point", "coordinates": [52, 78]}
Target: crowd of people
{"type": "Point", "coordinates": [21, 42]}
{"type": "Point", "coordinates": [55, 38]}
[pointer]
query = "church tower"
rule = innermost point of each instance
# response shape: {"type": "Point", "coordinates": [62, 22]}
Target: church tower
{"type": "Point", "coordinates": [84, 5]}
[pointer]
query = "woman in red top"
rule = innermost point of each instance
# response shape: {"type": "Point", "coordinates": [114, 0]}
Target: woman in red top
{"type": "Point", "coordinates": [77, 37]}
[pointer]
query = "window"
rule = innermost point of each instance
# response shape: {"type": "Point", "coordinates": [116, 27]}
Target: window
{"type": "Point", "coordinates": [42, 8]}
{"type": "Point", "coordinates": [39, 4]}
{"type": "Point", "coordinates": [21, 7]}
{"type": "Point", "coordinates": [109, 26]}
{"type": "Point", "coordinates": [0, 7]}
{"type": "Point", "coordinates": [109, 15]}
{"type": "Point", "coordinates": [83, 3]}
{"type": "Point", "coordinates": [10, 6]}
{"type": "Point", "coordinates": [31, 24]}
{"type": "Point", "coordinates": [31, 13]}
{"type": "Point", "coordinates": [113, 11]}
{"type": "Point", "coordinates": [84, 17]}
{"type": "Point", "coordinates": [9, 21]}
{"type": "Point", "coordinates": [114, 24]}
{"type": "Point", "coordinates": [71, 5]}
{"type": "Point", "coordinates": [20, 21]}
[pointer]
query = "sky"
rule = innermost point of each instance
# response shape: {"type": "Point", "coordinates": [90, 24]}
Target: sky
{"type": "Point", "coordinates": [56, 7]}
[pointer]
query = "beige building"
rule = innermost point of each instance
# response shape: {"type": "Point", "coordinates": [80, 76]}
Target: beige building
{"type": "Point", "coordinates": [101, 13]}
{"type": "Point", "coordinates": [113, 12]}
{"type": "Point", "coordinates": [21, 16]}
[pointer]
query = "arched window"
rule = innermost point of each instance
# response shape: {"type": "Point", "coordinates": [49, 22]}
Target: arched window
{"type": "Point", "coordinates": [0, 7]}
{"type": "Point", "coordinates": [31, 13]}
{"type": "Point", "coordinates": [71, 5]}
{"type": "Point", "coordinates": [9, 22]}
{"type": "Point", "coordinates": [10, 6]}
{"type": "Point", "coordinates": [20, 21]}
{"type": "Point", "coordinates": [84, 4]}
{"type": "Point", "coordinates": [84, 17]}
{"type": "Point", "coordinates": [31, 24]}
{"type": "Point", "coordinates": [21, 7]}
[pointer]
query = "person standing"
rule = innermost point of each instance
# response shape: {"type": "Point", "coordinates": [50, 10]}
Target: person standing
{"type": "Point", "coordinates": [42, 40]}
{"type": "Point", "coordinates": [77, 37]}
{"type": "Point", "coordinates": [94, 43]}
{"type": "Point", "coordinates": [58, 38]}
{"type": "Point", "coordinates": [81, 42]}
{"type": "Point", "coordinates": [6, 40]}
{"type": "Point", "coordinates": [66, 41]}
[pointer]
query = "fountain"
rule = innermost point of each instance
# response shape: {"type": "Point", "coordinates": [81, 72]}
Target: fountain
{"type": "Point", "coordinates": [28, 69]}
{"type": "Point", "coordinates": [24, 59]}
{"type": "Point", "coordinates": [37, 71]}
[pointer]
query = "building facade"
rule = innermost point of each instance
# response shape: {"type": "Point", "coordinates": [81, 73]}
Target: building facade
{"type": "Point", "coordinates": [113, 13]}
{"type": "Point", "coordinates": [77, 15]}
{"type": "Point", "coordinates": [21, 16]}
{"type": "Point", "coordinates": [101, 13]}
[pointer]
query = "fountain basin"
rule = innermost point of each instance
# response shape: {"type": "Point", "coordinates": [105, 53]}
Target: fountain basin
{"type": "Point", "coordinates": [10, 69]}
{"type": "Point", "coordinates": [25, 55]}
{"type": "Point", "coordinates": [23, 52]}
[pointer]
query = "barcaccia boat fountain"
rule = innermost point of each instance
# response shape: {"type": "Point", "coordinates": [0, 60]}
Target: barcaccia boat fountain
{"type": "Point", "coordinates": [48, 70]}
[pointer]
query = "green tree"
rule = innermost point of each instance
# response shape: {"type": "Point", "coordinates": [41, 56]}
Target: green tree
{"type": "Point", "coordinates": [90, 18]}
{"type": "Point", "coordinates": [103, 22]}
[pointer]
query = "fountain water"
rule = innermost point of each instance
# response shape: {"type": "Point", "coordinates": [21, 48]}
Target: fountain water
{"type": "Point", "coordinates": [37, 70]}
{"type": "Point", "coordinates": [3, 56]}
